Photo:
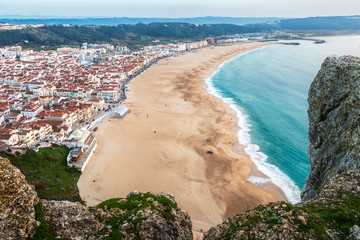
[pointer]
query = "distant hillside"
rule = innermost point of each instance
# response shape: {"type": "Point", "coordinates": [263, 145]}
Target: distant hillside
{"type": "Point", "coordinates": [125, 20]}
{"type": "Point", "coordinates": [314, 23]}
{"type": "Point", "coordinates": [311, 23]}
{"type": "Point", "coordinates": [55, 35]}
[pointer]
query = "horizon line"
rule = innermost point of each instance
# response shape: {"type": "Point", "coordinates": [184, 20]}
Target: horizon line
{"type": "Point", "coordinates": [15, 16]}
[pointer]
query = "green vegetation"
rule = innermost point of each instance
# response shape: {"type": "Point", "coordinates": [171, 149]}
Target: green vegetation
{"type": "Point", "coordinates": [44, 48]}
{"type": "Point", "coordinates": [132, 205]}
{"type": "Point", "coordinates": [48, 172]}
{"type": "Point", "coordinates": [43, 231]}
{"type": "Point", "coordinates": [338, 215]}
{"type": "Point", "coordinates": [336, 23]}
{"type": "Point", "coordinates": [132, 35]}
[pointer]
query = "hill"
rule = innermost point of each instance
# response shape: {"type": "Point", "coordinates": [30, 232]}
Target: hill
{"type": "Point", "coordinates": [125, 20]}
{"type": "Point", "coordinates": [314, 23]}
{"type": "Point", "coordinates": [139, 33]}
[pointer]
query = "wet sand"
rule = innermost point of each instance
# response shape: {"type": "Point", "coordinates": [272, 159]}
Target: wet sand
{"type": "Point", "coordinates": [161, 146]}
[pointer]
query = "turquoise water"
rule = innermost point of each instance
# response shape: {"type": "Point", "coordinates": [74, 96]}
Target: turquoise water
{"type": "Point", "coordinates": [268, 89]}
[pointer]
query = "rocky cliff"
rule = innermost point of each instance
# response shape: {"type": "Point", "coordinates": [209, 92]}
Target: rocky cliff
{"type": "Point", "coordinates": [334, 122]}
{"type": "Point", "coordinates": [138, 216]}
{"type": "Point", "coordinates": [331, 196]}
{"type": "Point", "coordinates": [334, 214]}
{"type": "Point", "coordinates": [17, 202]}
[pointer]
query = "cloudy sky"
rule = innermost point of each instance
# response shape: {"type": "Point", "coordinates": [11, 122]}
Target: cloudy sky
{"type": "Point", "coordinates": [181, 8]}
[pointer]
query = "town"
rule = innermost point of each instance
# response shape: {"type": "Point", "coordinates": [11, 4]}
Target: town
{"type": "Point", "coordinates": [60, 96]}
{"type": "Point", "coordinates": [9, 26]}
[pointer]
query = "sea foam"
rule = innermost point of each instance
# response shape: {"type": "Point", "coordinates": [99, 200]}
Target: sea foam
{"type": "Point", "coordinates": [276, 176]}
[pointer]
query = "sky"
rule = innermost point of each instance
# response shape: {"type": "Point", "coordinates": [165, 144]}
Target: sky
{"type": "Point", "coordinates": [181, 8]}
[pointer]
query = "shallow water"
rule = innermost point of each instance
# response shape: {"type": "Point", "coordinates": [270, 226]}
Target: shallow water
{"type": "Point", "coordinates": [268, 89]}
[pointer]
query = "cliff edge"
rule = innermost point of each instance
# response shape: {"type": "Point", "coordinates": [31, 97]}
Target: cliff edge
{"type": "Point", "coordinates": [138, 216]}
{"type": "Point", "coordinates": [17, 201]}
{"type": "Point", "coordinates": [334, 122]}
{"type": "Point", "coordinates": [334, 214]}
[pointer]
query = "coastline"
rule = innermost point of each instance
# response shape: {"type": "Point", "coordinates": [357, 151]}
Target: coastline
{"type": "Point", "coordinates": [264, 174]}
{"type": "Point", "coordinates": [170, 98]}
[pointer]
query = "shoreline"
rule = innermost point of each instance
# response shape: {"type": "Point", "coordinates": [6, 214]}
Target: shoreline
{"type": "Point", "coordinates": [265, 174]}
{"type": "Point", "coordinates": [210, 187]}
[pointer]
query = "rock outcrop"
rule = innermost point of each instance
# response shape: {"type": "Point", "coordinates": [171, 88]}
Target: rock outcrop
{"type": "Point", "coordinates": [17, 201]}
{"type": "Point", "coordinates": [334, 214]}
{"type": "Point", "coordinates": [138, 216]}
{"type": "Point", "coordinates": [334, 122]}
{"type": "Point", "coordinates": [70, 220]}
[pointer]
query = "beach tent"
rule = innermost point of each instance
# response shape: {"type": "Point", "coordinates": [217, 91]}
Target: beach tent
{"type": "Point", "coordinates": [120, 112]}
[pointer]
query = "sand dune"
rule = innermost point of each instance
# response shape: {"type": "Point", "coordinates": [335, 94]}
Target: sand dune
{"type": "Point", "coordinates": [161, 145]}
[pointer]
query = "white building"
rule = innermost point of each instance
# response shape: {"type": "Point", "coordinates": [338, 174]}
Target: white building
{"type": "Point", "coordinates": [32, 110]}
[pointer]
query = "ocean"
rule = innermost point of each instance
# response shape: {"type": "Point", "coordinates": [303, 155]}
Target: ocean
{"type": "Point", "coordinates": [268, 89]}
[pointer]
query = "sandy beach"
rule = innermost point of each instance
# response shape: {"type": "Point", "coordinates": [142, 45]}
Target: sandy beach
{"type": "Point", "coordinates": [161, 145]}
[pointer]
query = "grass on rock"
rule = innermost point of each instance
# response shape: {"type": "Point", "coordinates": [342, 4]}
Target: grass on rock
{"type": "Point", "coordinates": [132, 205]}
{"type": "Point", "coordinates": [47, 170]}
{"type": "Point", "coordinates": [43, 232]}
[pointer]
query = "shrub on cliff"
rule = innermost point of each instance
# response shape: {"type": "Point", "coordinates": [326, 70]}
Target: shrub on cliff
{"type": "Point", "coordinates": [146, 216]}
{"type": "Point", "coordinates": [47, 170]}
{"type": "Point", "coordinates": [333, 215]}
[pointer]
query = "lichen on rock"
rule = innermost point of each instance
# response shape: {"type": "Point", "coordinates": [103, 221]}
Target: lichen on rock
{"type": "Point", "coordinates": [332, 215]}
{"type": "Point", "coordinates": [138, 216]}
{"type": "Point", "coordinates": [70, 220]}
{"type": "Point", "coordinates": [17, 201]}
{"type": "Point", "coordinates": [334, 122]}
{"type": "Point", "coordinates": [147, 216]}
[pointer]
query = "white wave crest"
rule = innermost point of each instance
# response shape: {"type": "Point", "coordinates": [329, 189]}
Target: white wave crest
{"type": "Point", "coordinates": [277, 177]}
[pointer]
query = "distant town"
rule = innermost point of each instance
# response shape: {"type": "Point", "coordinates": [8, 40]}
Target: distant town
{"type": "Point", "coordinates": [60, 96]}
{"type": "Point", "coordinates": [9, 26]}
